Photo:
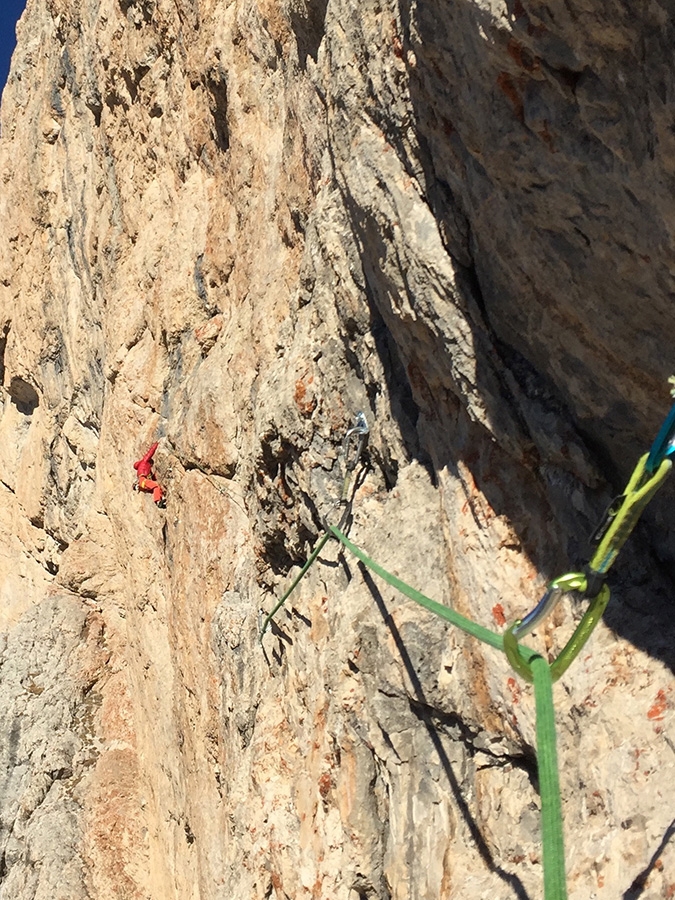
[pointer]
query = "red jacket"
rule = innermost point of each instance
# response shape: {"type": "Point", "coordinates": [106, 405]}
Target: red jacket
{"type": "Point", "coordinates": [144, 466]}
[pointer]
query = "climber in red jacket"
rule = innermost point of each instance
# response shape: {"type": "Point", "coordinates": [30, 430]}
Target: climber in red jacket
{"type": "Point", "coordinates": [146, 477]}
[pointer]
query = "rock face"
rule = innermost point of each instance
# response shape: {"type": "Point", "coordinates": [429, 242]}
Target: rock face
{"type": "Point", "coordinates": [230, 226]}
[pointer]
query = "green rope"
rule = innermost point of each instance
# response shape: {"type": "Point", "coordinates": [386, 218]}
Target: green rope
{"type": "Point", "coordinates": [552, 828]}
{"type": "Point", "coordinates": [319, 547]}
{"type": "Point", "coordinates": [477, 631]}
{"type": "Point", "coordinates": [553, 848]}
{"type": "Point", "coordinates": [642, 486]}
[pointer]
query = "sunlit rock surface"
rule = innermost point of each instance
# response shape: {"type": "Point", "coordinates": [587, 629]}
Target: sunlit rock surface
{"type": "Point", "coordinates": [230, 226]}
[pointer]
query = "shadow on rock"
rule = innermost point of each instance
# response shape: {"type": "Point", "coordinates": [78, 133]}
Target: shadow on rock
{"type": "Point", "coordinates": [567, 369]}
{"type": "Point", "coordinates": [423, 711]}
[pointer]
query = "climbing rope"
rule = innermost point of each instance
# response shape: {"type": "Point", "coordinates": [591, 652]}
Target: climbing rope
{"type": "Point", "coordinates": [610, 536]}
{"type": "Point", "coordinates": [542, 674]}
{"type": "Point", "coordinates": [353, 445]}
{"type": "Point", "coordinates": [307, 566]}
{"type": "Point", "coordinates": [552, 837]}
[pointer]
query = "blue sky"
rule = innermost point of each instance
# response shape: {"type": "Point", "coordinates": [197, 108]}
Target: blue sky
{"type": "Point", "coordinates": [10, 10]}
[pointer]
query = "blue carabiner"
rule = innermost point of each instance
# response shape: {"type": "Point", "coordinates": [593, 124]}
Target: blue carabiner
{"type": "Point", "coordinates": [664, 444]}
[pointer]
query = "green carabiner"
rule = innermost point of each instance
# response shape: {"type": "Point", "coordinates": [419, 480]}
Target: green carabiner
{"type": "Point", "coordinates": [621, 521]}
{"type": "Point", "coordinates": [572, 581]}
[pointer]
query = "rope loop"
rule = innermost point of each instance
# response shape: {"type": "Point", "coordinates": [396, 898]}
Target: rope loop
{"type": "Point", "coordinates": [572, 581]}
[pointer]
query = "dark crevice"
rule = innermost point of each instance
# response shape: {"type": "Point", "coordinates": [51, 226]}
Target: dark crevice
{"type": "Point", "coordinates": [132, 87]}
{"type": "Point", "coordinates": [364, 889]}
{"type": "Point", "coordinates": [278, 555]}
{"type": "Point", "coordinates": [468, 281]}
{"type": "Point", "coordinates": [388, 741]}
{"type": "Point", "coordinates": [94, 104]}
{"type": "Point", "coordinates": [60, 543]}
{"type": "Point", "coordinates": [285, 539]}
{"type": "Point", "coordinates": [198, 278]}
{"type": "Point", "coordinates": [216, 85]}
{"type": "Point", "coordinates": [191, 466]}
{"type": "Point", "coordinates": [24, 396]}
{"type": "Point", "coordinates": [114, 99]}
{"type": "Point", "coordinates": [308, 20]}
{"type": "Point", "coordinates": [3, 347]}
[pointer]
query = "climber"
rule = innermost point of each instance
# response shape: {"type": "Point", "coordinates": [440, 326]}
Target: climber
{"type": "Point", "coordinates": [146, 477]}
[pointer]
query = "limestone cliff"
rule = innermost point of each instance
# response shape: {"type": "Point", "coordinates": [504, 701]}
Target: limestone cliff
{"type": "Point", "coordinates": [230, 226]}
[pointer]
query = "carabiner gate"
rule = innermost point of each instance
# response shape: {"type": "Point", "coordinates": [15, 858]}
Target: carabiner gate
{"type": "Point", "coordinates": [358, 435]}
{"type": "Point", "coordinates": [572, 581]}
{"type": "Point", "coordinates": [361, 431]}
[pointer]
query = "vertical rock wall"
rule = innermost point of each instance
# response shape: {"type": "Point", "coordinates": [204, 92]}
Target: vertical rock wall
{"type": "Point", "coordinates": [229, 226]}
